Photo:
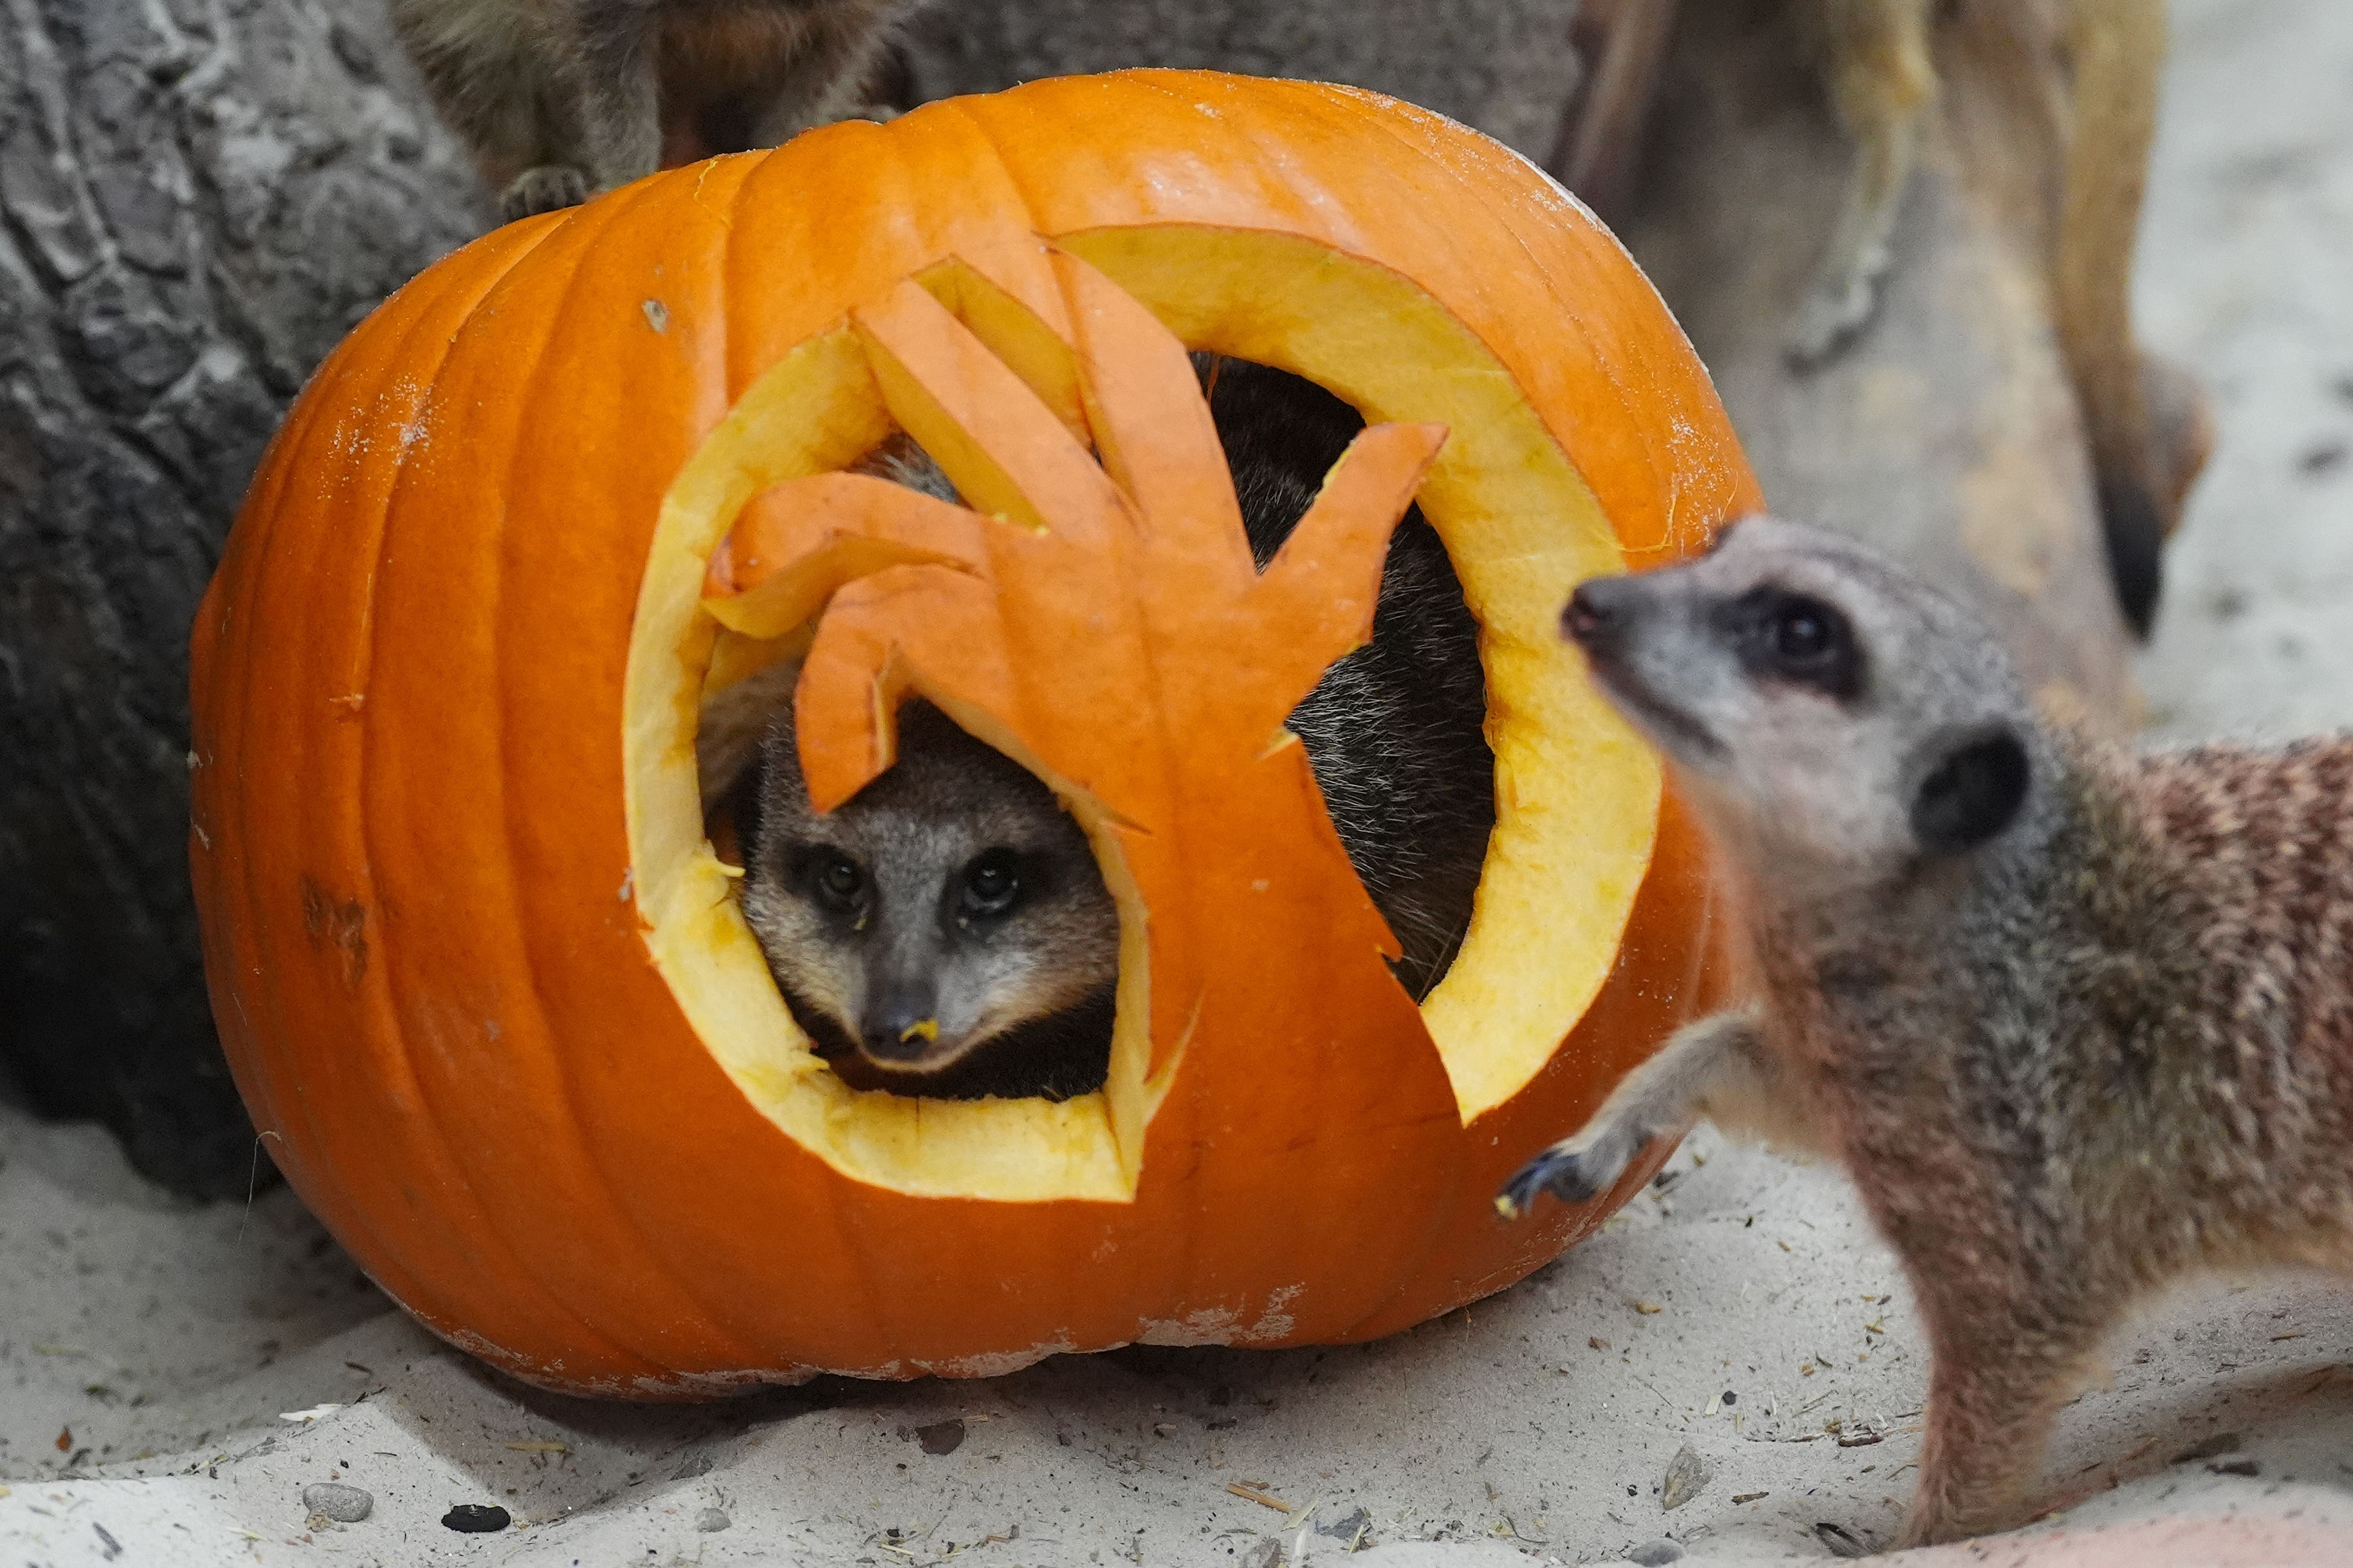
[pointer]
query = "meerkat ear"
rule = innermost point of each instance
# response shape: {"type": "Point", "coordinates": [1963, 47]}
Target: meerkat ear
{"type": "Point", "coordinates": [1972, 795]}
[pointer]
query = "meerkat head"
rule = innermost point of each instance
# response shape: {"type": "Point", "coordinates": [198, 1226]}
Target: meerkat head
{"type": "Point", "coordinates": [1827, 712]}
{"type": "Point", "coordinates": [949, 900]}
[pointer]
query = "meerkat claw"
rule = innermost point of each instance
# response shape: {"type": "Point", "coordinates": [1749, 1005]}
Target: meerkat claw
{"type": "Point", "coordinates": [1569, 1171]}
{"type": "Point", "coordinates": [545, 188]}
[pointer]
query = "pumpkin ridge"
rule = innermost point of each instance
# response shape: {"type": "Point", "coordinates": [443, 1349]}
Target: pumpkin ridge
{"type": "Point", "coordinates": [427, 326]}
{"type": "Point", "coordinates": [581, 231]}
{"type": "Point", "coordinates": [274, 1112]}
{"type": "Point", "coordinates": [368, 892]}
{"type": "Point", "coordinates": [555, 1065]}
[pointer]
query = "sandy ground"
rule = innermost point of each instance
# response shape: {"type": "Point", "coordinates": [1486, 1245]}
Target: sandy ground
{"type": "Point", "coordinates": [171, 1378]}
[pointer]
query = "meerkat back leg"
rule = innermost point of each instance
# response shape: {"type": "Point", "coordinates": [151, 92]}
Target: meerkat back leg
{"type": "Point", "coordinates": [1995, 1387]}
{"type": "Point", "coordinates": [1715, 1063]}
{"type": "Point", "coordinates": [1875, 60]}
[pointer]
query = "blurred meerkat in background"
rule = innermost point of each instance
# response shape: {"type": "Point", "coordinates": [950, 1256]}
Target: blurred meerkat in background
{"type": "Point", "coordinates": [559, 99]}
{"type": "Point", "coordinates": [2145, 418]}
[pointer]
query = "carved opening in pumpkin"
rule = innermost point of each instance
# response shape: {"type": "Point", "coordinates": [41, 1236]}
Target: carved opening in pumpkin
{"type": "Point", "coordinates": [1577, 797]}
{"type": "Point", "coordinates": [1393, 732]}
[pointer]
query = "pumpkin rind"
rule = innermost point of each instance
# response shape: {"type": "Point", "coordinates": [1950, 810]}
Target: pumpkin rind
{"type": "Point", "coordinates": [424, 929]}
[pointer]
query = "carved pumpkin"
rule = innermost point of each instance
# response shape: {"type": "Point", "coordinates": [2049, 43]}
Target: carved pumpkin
{"type": "Point", "coordinates": [480, 975]}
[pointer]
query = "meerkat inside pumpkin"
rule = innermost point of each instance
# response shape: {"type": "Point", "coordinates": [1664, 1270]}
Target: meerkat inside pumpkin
{"type": "Point", "coordinates": [946, 931]}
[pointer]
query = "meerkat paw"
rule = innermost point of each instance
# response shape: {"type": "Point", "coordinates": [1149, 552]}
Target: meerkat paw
{"type": "Point", "coordinates": [1574, 1170]}
{"type": "Point", "coordinates": [1837, 307]}
{"type": "Point", "coordinates": [549, 187]}
{"type": "Point", "coordinates": [1710, 1057]}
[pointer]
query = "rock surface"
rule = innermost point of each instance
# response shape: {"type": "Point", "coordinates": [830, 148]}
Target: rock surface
{"type": "Point", "coordinates": [198, 199]}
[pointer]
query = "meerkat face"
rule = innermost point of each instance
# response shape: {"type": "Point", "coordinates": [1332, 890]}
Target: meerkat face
{"type": "Point", "coordinates": [1823, 708]}
{"type": "Point", "coordinates": [949, 900]}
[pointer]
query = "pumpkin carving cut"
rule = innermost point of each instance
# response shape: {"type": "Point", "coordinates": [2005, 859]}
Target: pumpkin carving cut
{"type": "Point", "coordinates": [533, 523]}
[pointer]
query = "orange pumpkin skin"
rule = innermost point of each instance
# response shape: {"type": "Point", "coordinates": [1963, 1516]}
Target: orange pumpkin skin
{"type": "Point", "coordinates": [410, 841]}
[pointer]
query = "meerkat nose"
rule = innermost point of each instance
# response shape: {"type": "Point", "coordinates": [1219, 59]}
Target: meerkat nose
{"type": "Point", "coordinates": [1597, 613]}
{"type": "Point", "coordinates": [902, 1022]}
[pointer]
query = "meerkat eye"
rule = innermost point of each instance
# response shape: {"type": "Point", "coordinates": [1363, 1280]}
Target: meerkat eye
{"type": "Point", "coordinates": [1794, 638]}
{"type": "Point", "coordinates": [838, 881]}
{"type": "Point", "coordinates": [1801, 635]}
{"type": "Point", "coordinates": [991, 885]}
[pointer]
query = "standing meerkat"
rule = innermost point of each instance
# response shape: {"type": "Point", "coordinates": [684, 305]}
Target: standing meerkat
{"type": "Point", "coordinates": [558, 99]}
{"type": "Point", "coordinates": [2078, 1024]}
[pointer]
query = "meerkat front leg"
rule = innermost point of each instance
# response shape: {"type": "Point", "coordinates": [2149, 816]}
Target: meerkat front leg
{"type": "Point", "coordinates": [1875, 60]}
{"type": "Point", "coordinates": [1715, 1067]}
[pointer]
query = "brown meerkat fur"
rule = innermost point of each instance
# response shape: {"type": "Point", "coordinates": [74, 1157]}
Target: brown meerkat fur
{"type": "Point", "coordinates": [2078, 1023]}
{"type": "Point", "coordinates": [558, 99]}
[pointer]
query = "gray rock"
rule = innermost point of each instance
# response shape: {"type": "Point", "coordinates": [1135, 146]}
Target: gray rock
{"type": "Point", "coordinates": [196, 202]}
{"type": "Point", "coordinates": [343, 1503]}
{"type": "Point", "coordinates": [1655, 1553]}
{"type": "Point", "coordinates": [711, 1520]}
{"type": "Point", "coordinates": [1267, 1554]}
{"type": "Point", "coordinates": [1687, 1476]}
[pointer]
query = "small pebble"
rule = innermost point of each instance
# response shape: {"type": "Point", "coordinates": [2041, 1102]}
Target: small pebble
{"type": "Point", "coordinates": [1687, 1476]}
{"type": "Point", "coordinates": [1843, 1542]}
{"type": "Point", "coordinates": [343, 1504]}
{"type": "Point", "coordinates": [1267, 1554]}
{"type": "Point", "coordinates": [2213, 1447]}
{"type": "Point", "coordinates": [711, 1520]}
{"type": "Point", "coordinates": [941, 1436]}
{"type": "Point", "coordinates": [1654, 1553]}
{"type": "Point", "coordinates": [1346, 1527]}
{"type": "Point", "coordinates": [477, 1518]}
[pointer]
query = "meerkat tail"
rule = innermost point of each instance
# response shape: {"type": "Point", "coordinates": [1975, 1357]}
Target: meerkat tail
{"type": "Point", "coordinates": [2144, 419]}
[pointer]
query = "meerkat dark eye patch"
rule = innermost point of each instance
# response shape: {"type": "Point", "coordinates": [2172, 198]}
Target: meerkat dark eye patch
{"type": "Point", "coordinates": [1795, 637]}
{"type": "Point", "coordinates": [1971, 794]}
